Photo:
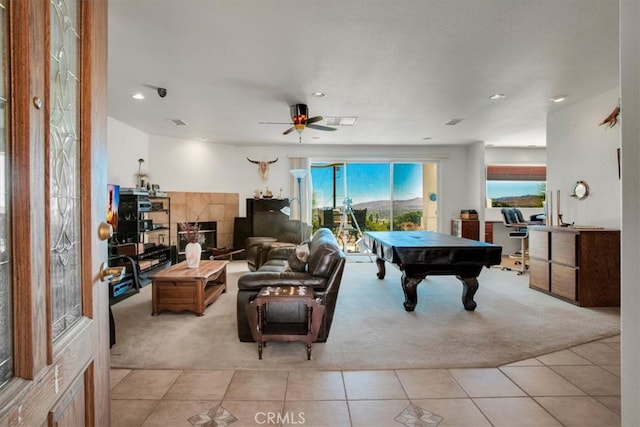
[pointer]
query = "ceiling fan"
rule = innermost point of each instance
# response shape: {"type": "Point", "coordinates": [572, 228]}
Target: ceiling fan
{"type": "Point", "coordinates": [300, 119]}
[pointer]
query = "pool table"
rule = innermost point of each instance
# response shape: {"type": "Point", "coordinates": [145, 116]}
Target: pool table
{"type": "Point", "coordinates": [419, 254]}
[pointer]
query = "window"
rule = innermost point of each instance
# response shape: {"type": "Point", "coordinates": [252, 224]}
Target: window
{"type": "Point", "coordinates": [391, 194]}
{"type": "Point", "coordinates": [516, 186]}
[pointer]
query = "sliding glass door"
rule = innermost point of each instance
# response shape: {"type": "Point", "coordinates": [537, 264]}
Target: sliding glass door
{"type": "Point", "coordinates": [353, 197]}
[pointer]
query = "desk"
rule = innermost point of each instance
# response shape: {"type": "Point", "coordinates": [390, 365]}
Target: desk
{"type": "Point", "coordinates": [263, 330]}
{"type": "Point", "coordinates": [421, 253]}
{"type": "Point", "coordinates": [180, 288]}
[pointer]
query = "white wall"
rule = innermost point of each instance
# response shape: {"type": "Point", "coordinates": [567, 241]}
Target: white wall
{"type": "Point", "coordinates": [579, 149]}
{"type": "Point", "coordinates": [630, 132]}
{"type": "Point", "coordinates": [476, 177]}
{"type": "Point", "coordinates": [516, 156]}
{"type": "Point", "coordinates": [125, 146]}
{"type": "Point", "coordinates": [187, 165]}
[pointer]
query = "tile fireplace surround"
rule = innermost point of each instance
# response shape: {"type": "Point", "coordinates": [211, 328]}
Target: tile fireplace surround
{"type": "Point", "coordinates": [192, 206]}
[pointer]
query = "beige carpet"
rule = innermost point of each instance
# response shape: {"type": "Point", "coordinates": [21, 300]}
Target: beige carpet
{"type": "Point", "coordinates": [371, 329]}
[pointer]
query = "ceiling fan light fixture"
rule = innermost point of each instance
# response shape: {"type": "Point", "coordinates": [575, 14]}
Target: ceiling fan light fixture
{"type": "Point", "coordinates": [299, 115]}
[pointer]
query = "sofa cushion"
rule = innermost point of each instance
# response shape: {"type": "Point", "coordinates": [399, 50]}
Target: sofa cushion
{"type": "Point", "coordinates": [274, 265]}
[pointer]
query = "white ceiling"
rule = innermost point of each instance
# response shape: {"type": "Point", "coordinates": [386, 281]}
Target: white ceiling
{"type": "Point", "coordinates": [404, 68]}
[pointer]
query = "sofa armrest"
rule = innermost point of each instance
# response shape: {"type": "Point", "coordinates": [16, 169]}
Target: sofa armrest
{"type": "Point", "coordinates": [253, 281]}
{"type": "Point", "coordinates": [255, 255]}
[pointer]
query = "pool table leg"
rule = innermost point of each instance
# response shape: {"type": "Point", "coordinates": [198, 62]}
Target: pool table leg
{"type": "Point", "coordinates": [381, 268]}
{"type": "Point", "coordinates": [410, 288]}
{"type": "Point", "coordinates": [469, 288]}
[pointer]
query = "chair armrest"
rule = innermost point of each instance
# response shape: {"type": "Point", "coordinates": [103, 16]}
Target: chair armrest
{"type": "Point", "coordinates": [517, 225]}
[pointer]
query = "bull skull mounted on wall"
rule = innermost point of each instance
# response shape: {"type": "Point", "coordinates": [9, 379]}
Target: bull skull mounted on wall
{"type": "Point", "coordinates": [263, 167]}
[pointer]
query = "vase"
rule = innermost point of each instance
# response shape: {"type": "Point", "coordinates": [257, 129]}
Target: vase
{"type": "Point", "coordinates": [192, 254]}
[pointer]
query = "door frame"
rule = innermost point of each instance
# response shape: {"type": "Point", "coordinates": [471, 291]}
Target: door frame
{"type": "Point", "coordinates": [54, 381]}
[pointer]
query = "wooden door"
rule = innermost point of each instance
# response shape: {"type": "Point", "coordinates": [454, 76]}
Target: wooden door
{"type": "Point", "coordinates": [54, 69]}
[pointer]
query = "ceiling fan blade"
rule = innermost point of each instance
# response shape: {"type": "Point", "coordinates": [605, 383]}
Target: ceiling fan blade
{"type": "Point", "coordinates": [314, 119]}
{"type": "Point", "coordinates": [320, 127]}
{"type": "Point", "coordinates": [275, 123]}
{"type": "Point", "coordinates": [288, 131]}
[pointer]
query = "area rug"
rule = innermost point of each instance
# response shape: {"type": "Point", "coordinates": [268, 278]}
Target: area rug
{"type": "Point", "coordinates": [371, 329]}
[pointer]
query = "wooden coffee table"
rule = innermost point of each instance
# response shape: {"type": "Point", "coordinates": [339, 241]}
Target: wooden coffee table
{"type": "Point", "coordinates": [179, 288]}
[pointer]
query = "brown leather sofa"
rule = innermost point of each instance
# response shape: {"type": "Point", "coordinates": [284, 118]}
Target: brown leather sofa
{"type": "Point", "coordinates": [257, 247]}
{"type": "Point", "coordinates": [323, 273]}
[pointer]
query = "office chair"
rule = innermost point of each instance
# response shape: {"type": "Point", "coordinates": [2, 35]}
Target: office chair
{"type": "Point", "coordinates": [514, 219]}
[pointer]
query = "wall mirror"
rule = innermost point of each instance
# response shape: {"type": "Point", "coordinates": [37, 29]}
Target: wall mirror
{"type": "Point", "coordinates": [580, 190]}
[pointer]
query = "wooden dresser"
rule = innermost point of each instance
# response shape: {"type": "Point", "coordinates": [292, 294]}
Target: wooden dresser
{"type": "Point", "coordinates": [578, 265]}
{"type": "Point", "coordinates": [467, 228]}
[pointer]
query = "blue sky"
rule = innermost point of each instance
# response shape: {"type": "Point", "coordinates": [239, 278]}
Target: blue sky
{"type": "Point", "coordinates": [367, 182]}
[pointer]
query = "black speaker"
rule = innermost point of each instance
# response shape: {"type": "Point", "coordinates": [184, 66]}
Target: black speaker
{"type": "Point", "coordinates": [241, 230]}
{"type": "Point", "coordinates": [174, 254]}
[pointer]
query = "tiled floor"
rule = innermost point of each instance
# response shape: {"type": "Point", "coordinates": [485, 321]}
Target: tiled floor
{"type": "Point", "coordinates": [579, 386]}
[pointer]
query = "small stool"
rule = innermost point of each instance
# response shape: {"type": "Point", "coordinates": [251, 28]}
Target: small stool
{"type": "Point", "coordinates": [262, 330]}
{"type": "Point", "coordinates": [523, 235]}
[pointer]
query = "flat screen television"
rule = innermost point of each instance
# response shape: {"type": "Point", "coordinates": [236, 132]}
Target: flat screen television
{"type": "Point", "coordinates": [113, 200]}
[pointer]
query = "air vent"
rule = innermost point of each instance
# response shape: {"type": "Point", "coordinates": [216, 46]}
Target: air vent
{"type": "Point", "coordinates": [453, 122]}
{"type": "Point", "coordinates": [178, 122]}
{"type": "Point", "coordinates": [341, 121]}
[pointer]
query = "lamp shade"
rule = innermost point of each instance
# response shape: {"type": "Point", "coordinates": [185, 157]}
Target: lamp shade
{"type": "Point", "coordinates": [298, 173]}
{"type": "Point", "coordinates": [286, 210]}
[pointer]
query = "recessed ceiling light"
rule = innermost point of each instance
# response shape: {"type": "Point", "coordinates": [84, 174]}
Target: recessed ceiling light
{"type": "Point", "coordinates": [315, 137]}
{"type": "Point", "coordinates": [427, 138]}
{"type": "Point", "coordinates": [137, 96]}
{"type": "Point", "coordinates": [318, 94]}
{"type": "Point", "coordinates": [498, 96]}
{"type": "Point", "coordinates": [558, 98]}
